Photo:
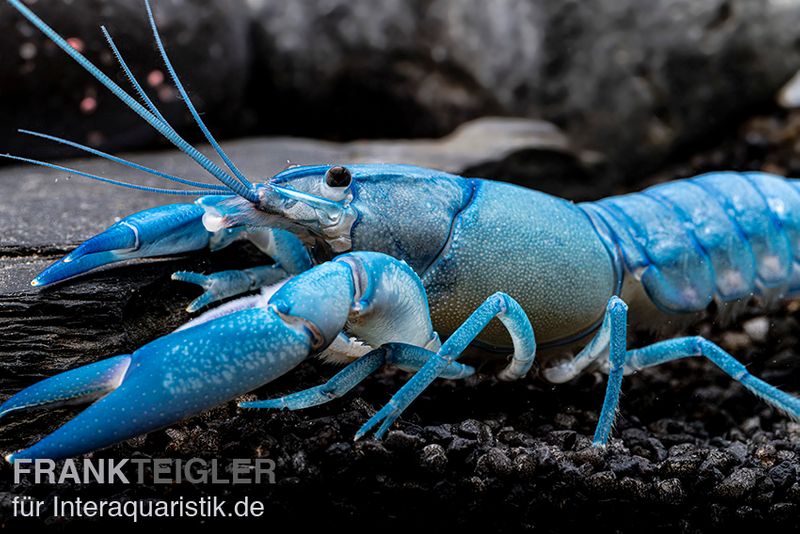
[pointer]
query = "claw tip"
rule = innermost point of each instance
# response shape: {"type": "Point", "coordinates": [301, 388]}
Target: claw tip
{"type": "Point", "coordinates": [35, 282]}
{"type": "Point", "coordinates": [9, 457]}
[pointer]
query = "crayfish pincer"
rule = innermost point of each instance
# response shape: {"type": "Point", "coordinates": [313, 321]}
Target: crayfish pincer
{"type": "Point", "coordinates": [370, 261]}
{"type": "Point", "coordinates": [218, 357]}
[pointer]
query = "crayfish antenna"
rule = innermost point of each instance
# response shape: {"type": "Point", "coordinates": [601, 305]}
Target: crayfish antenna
{"type": "Point", "coordinates": [116, 159]}
{"type": "Point", "coordinates": [188, 101]}
{"type": "Point", "coordinates": [131, 78]}
{"type": "Point", "coordinates": [164, 129]}
{"type": "Point", "coordinates": [185, 192]}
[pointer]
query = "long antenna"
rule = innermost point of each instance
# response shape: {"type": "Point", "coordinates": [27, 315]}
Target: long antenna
{"type": "Point", "coordinates": [184, 192]}
{"type": "Point", "coordinates": [188, 100]}
{"type": "Point", "coordinates": [236, 186]}
{"type": "Point", "coordinates": [125, 162]}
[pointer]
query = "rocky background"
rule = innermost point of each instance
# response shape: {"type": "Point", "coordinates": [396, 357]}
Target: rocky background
{"type": "Point", "coordinates": [580, 99]}
{"type": "Point", "coordinates": [631, 83]}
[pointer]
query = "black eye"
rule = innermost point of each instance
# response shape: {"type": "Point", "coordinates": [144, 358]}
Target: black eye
{"type": "Point", "coordinates": [338, 177]}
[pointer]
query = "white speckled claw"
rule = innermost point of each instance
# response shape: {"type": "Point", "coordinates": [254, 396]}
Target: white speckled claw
{"type": "Point", "coordinates": [240, 346]}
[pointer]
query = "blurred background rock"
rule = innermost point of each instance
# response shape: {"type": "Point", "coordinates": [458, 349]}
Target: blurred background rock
{"type": "Point", "coordinates": [633, 84]}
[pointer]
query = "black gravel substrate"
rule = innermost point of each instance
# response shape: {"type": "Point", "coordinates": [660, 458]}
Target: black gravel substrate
{"type": "Point", "coordinates": [692, 451]}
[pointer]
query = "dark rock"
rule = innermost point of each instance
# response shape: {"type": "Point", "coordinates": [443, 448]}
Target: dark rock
{"type": "Point", "coordinates": [372, 450]}
{"type": "Point", "coordinates": [602, 483]}
{"type": "Point", "coordinates": [624, 465]}
{"type": "Point", "coordinates": [477, 431]}
{"type": "Point", "coordinates": [684, 460]}
{"type": "Point", "coordinates": [470, 429]}
{"type": "Point", "coordinates": [461, 447]}
{"type": "Point", "coordinates": [524, 465]}
{"type": "Point", "coordinates": [494, 463]}
{"type": "Point", "coordinates": [765, 490]}
{"type": "Point", "coordinates": [738, 450]}
{"type": "Point", "coordinates": [720, 460]}
{"type": "Point", "coordinates": [633, 489]}
{"type": "Point", "coordinates": [632, 81]}
{"type": "Point", "coordinates": [564, 439]}
{"type": "Point", "coordinates": [402, 441]}
{"type": "Point", "coordinates": [438, 433]}
{"type": "Point", "coordinates": [596, 457]}
{"type": "Point", "coordinates": [783, 474]}
{"type": "Point", "coordinates": [670, 491]}
{"type": "Point", "coordinates": [513, 437]}
{"type": "Point", "coordinates": [434, 457]}
{"type": "Point", "coordinates": [741, 482]}
{"type": "Point", "coordinates": [766, 455]}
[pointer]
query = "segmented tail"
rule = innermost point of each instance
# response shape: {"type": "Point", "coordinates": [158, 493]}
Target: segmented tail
{"type": "Point", "coordinates": [723, 235]}
{"type": "Point", "coordinates": [239, 185]}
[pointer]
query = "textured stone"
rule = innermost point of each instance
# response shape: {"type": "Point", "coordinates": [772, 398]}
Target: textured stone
{"type": "Point", "coordinates": [631, 80]}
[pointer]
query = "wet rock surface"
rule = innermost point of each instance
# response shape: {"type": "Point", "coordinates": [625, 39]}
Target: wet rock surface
{"type": "Point", "coordinates": [632, 82]}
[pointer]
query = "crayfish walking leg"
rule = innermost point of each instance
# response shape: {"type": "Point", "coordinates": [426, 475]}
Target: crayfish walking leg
{"type": "Point", "coordinates": [622, 360]}
{"type": "Point", "coordinates": [498, 305]}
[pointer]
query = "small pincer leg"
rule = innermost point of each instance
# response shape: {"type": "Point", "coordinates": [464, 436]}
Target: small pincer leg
{"type": "Point", "coordinates": [224, 284]}
{"type": "Point", "coordinates": [288, 252]}
{"type": "Point", "coordinates": [408, 357]}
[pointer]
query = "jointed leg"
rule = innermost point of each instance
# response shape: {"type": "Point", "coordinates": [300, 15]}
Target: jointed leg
{"type": "Point", "coordinates": [620, 360]}
{"type": "Point", "coordinates": [674, 349]}
{"type": "Point", "coordinates": [288, 252]}
{"type": "Point", "coordinates": [498, 305]}
{"type": "Point", "coordinates": [615, 325]}
{"type": "Point", "coordinates": [226, 284]}
{"type": "Point", "coordinates": [404, 356]}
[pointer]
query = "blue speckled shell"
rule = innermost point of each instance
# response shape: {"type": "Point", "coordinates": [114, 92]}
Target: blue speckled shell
{"type": "Point", "coordinates": [540, 249]}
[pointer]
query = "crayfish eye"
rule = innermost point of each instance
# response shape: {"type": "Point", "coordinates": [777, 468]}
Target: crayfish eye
{"type": "Point", "coordinates": [338, 176]}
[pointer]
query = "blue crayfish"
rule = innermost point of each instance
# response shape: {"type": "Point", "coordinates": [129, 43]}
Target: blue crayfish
{"type": "Point", "coordinates": [370, 261]}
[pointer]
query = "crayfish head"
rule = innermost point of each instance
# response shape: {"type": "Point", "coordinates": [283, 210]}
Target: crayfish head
{"type": "Point", "coordinates": [404, 211]}
{"type": "Point", "coordinates": [314, 202]}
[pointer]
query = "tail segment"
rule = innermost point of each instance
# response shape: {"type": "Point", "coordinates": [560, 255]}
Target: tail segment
{"type": "Point", "coordinates": [722, 235]}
